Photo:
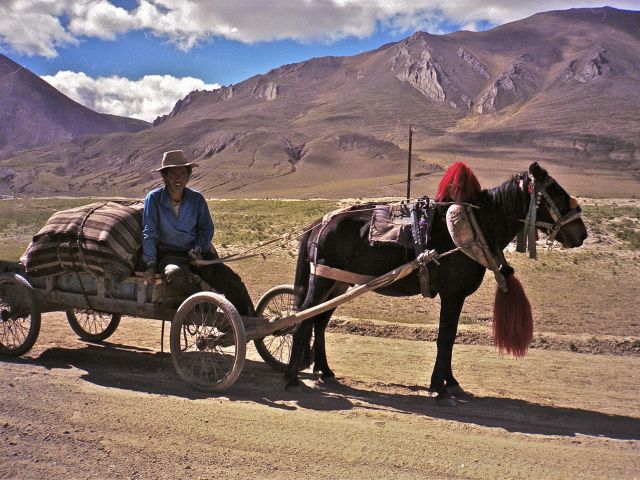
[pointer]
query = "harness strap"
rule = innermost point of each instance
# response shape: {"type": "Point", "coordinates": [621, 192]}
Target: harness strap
{"type": "Point", "coordinates": [494, 264]}
{"type": "Point", "coordinates": [527, 235]}
{"type": "Point", "coordinates": [553, 208]}
{"type": "Point", "coordinates": [421, 211]}
{"type": "Point", "coordinates": [531, 234]}
{"type": "Point", "coordinates": [340, 275]}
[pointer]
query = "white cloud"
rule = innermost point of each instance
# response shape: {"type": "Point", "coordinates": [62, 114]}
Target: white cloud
{"type": "Point", "coordinates": [37, 27]}
{"type": "Point", "coordinates": [34, 28]}
{"type": "Point", "coordinates": [99, 18]}
{"type": "Point", "coordinates": [146, 98]}
{"type": "Point", "coordinates": [471, 27]}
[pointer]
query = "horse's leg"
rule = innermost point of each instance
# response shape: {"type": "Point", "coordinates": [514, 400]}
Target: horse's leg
{"type": "Point", "coordinates": [319, 289]}
{"type": "Point", "coordinates": [321, 365]}
{"type": "Point", "coordinates": [442, 378]}
{"type": "Point", "coordinates": [301, 339]}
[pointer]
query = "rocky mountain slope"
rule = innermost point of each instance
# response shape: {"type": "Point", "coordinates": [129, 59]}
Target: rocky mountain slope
{"type": "Point", "coordinates": [33, 113]}
{"type": "Point", "coordinates": [559, 87]}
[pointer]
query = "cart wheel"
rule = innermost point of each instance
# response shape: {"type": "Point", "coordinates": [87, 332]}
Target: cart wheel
{"type": "Point", "coordinates": [92, 326]}
{"type": "Point", "coordinates": [275, 349]}
{"type": "Point", "coordinates": [19, 315]}
{"type": "Point", "coordinates": [208, 343]}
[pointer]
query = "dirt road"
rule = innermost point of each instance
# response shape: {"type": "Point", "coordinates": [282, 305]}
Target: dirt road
{"type": "Point", "coordinates": [118, 410]}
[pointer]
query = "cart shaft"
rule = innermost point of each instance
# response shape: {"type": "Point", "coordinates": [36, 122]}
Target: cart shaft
{"type": "Point", "coordinates": [263, 329]}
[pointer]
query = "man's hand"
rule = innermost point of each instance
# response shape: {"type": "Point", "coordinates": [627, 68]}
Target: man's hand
{"type": "Point", "coordinates": [149, 273]}
{"type": "Point", "coordinates": [195, 253]}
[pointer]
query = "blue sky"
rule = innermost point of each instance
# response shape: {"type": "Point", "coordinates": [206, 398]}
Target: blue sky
{"type": "Point", "coordinates": [138, 57]}
{"type": "Point", "coordinates": [217, 61]}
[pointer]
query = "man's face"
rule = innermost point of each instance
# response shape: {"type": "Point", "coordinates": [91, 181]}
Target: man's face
{"type": "Point", "coordinates": [176, 178]}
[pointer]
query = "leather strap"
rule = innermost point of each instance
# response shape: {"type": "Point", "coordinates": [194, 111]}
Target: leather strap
{"type": "Point", "coordinates": [340, 275]}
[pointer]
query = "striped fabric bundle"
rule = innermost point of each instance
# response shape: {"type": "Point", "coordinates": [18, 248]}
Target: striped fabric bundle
{"type": "Point", "coordinates": [102, 238]}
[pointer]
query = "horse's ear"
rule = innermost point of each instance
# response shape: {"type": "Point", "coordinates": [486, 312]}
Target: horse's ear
{"type": "Point", "coordinates": [537, 171]}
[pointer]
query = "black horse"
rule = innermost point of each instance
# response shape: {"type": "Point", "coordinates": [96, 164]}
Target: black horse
{"type": "Point", "coordinates": [344, 245]}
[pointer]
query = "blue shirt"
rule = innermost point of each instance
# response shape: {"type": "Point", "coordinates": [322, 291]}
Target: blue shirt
{"type": "Point", "coordinates": [164, 231]}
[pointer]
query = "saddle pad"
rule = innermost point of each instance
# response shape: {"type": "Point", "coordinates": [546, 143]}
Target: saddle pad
{"type": "Point", "coordinates": [391, 225]}
{"type": "Point", "coordinates": [102, 238]}
{"type": "Point", "coordinates": [463, 235]}
{"type": "Point", "coordinates": [359, 212]}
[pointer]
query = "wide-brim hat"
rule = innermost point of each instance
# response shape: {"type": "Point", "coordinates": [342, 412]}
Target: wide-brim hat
{"type": "Point", "coordinates": [174, 158]}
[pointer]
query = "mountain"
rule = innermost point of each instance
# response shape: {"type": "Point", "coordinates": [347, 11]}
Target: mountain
{"type": "Point", "coordinates": [558, 87]}
{"type": "Point", "coordinates": [33, 113]}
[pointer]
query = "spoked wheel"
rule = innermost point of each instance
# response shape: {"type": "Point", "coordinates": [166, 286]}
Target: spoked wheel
{"type": "Point", "coordinates": [208, 342]}
{"type": "Point", "coordinates": [19, 315]}
{"type": "Point", "coordinates": [92, 326]}
{"type": "Point", "coordinates": [275, 349]}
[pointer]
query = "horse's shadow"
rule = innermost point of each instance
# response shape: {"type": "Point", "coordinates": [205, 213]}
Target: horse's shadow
{"type": "Point", "coordinates": [125, 367]}
{"type": "Point", "coordinates": [510, 414]}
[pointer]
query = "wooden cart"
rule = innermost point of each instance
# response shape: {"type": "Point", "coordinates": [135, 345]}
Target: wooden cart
{"type": "Point", "coordinates": [207, 337]}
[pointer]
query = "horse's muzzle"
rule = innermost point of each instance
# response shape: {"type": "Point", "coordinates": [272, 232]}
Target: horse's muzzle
{"type": "Point", "coordinates": [573, 241]}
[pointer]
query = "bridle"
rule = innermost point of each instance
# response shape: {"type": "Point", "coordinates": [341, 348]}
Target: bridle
{"type": "Point", "coordinates": [538, 194]}
{"type": "Point", "coordinates": [560, 220]}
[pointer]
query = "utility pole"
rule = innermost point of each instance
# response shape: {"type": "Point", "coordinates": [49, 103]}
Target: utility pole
{"type": "Point", "coordinates": [409, 163]}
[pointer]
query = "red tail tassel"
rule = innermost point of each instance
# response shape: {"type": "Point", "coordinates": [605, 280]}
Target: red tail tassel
{"type": "Point", "coordinates": [512, 319]}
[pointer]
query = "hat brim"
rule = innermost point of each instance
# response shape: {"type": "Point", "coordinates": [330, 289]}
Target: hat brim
{"type": "Point", "coordinates": [190, 164]}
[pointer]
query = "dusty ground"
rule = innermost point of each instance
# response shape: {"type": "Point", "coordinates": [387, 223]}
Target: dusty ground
{"type": "Point", "coordinates": [569, 409]}
{"type": "Point", "coordinates": [118, 410]}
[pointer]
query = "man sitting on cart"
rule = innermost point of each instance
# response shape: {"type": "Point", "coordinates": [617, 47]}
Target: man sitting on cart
{"type": "Point", "coordinates": [177, 227]}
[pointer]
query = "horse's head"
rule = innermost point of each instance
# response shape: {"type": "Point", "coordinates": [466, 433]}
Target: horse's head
{"type": "Point", "coordinates": [558, 213]}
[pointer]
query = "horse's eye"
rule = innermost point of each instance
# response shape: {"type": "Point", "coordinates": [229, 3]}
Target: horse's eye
{"type": "Point", "coordinates": [578, 209]}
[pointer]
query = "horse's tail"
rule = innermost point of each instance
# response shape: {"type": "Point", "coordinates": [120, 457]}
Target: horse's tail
{"type": "Point", "coordinates": [303, 270]}
{"type": "Point", "coordinates": [458, 184]}
{"type": "Point", "coordinates": [512, 319]}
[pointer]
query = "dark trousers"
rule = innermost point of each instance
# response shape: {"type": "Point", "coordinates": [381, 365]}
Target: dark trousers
{"type": "Point", "coordinates": [219, 276]}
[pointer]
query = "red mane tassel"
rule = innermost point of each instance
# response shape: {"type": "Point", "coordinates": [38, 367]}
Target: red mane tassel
{"type": "Point", "coordinates": [459, 184]}
{"type": "Point", "coordinates": [512, 319]}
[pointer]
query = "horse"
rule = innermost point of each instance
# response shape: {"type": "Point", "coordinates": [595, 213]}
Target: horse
{"type": "Point", "coordinates": [344, 244]}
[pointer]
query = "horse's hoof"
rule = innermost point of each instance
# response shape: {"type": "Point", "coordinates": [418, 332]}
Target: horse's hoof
{"type": "Point", "coordinates": [431, 392]}
{"type": "Point", "coordinates": [456, 391]}
{"type": "Point", "coordinates": [445, 401]}
{"type": "Point", "coordinates": [328, 380]}
{"type": "Point", "coordinates": [293, 387]}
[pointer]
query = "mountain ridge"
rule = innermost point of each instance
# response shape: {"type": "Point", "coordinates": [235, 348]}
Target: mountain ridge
{"type": "Point", "coordinates": [33, 113]}
{"type": "Point", "coordinates": [558, 87]}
